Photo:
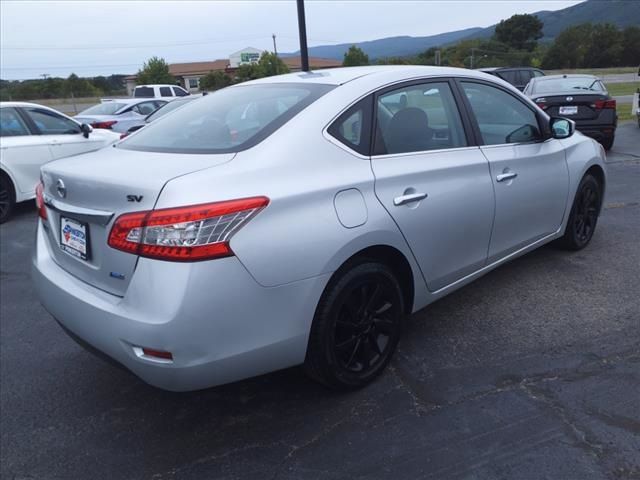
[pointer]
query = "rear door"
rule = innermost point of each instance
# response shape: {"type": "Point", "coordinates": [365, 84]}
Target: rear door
{"type": "Point", "coordinates": [432, 179]}
{"type": "Point", "coordinates": [529, 174]}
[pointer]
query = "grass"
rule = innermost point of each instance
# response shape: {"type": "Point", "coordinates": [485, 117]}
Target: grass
{"type": "Point", "coordinates": [625, 112]}
{"type": "Point", "coordinates": [626, 88]}
{"type": "Point", "coordinates": [595, 71]}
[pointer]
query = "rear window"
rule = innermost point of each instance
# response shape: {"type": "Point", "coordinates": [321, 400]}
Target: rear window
{"type": "Point", "coordinates": [563, 84]}
{"type": "Point", "coordinates": [229, 120]}
{"type": "Point", "coordinates": [107, 108]}
{"type": "Point", "coordinates": [143, 92]}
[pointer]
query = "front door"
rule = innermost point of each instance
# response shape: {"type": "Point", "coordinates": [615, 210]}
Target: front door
{"type": "Point", "coordinates": [530, 174]}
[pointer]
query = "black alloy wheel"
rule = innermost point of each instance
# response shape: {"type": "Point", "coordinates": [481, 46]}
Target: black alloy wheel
{"type": "Point", "coordinates": [6, 199]}
{"type": "Point", "coordinates": [584, 214]}
{"type": "Point", "coordinates": [357, 327]}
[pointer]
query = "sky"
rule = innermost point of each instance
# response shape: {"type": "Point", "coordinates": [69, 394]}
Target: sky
{"type": "Point", "coordinates": [91, 38]}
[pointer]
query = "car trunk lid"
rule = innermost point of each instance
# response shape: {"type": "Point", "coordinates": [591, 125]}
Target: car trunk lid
{"type": "Point", "coordinates": [576, 106]}
{"type": "Point", "coordinates": [86, 193]}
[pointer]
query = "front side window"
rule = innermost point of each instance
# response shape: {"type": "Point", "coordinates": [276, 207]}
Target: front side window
{"type": "Point", "coordinates": [228, 120]}
{"type": "Point", "coordinates": [501, 117]}
{"type": "Point", "coordinates": [352, 128]}
{"type": "Point", "coordinates": [182, 93]}
{"type": "Point", "coordinates": [50, 123]}
{"type": "Point", "coordinates": [165, 92]}
{"type": "Point", "coordinates": [418, 118]}
{"type": "Point", "coordinates": [11, 125]}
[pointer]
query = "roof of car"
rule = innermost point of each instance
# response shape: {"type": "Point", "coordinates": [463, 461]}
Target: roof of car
{"type": "Point", "coordinates": [22, 104]}
{"type": "Point", "coordinates": [339, 76]}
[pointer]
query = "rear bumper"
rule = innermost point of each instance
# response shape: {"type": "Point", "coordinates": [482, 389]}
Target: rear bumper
{"type": "Point", "coordinates": [597, 132]}
{"type": "Point", "coordinates": [219, 324]}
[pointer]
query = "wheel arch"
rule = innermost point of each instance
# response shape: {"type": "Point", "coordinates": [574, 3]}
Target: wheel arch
{"type": "Point", "coordinates": [598, 173]}
{"type": "Point", "coordinates": [12, 184]}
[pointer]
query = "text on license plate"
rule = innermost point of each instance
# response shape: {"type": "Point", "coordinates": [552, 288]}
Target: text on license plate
{"type": "Point", "coordinates": [73, 237]}
{"type": "Point", "coordinates": [571, 110]}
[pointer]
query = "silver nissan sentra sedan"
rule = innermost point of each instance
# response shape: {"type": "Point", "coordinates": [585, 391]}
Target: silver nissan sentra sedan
{"type": "Point", "coordinates": [298, 219]}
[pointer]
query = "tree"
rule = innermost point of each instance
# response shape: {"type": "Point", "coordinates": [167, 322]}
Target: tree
{"type": "Point", "coordinates": [155, 70]}
{"type": "Point", "coordinates": [605, 46]}
{"type": "Point", "coordinates": [630, 55]}
{"type": "Point", "coordinates": [248, 71]}
{"type": "Point", "coordinates": [270, 64]}
{"type": "Point", "coordinates": [355, 57]}
{"type": "Point", "coordinates": [520, 32]}
{"type": "Point", "coordinates": [215, 81]}
{"type": "Point", "coordinates": [569, 48]}
{"type": "Point", "coordinates": [79, 87]}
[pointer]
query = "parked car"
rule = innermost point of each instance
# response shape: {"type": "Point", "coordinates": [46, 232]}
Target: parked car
{"type": "Point", "coordinates": [166, 92]}
{"type": "Point", "coordinates": [516, 76]}
{"type": "Point", "coordinates": [582, 98]}
{"type": "Point", "coordinates": [161, 112]}
{"type": "Point", "coordinates": [119, 114]}
{"type": "Point", "coordinates": [32, 135]}
{"type": "Point", "coordinates": [195, 256]}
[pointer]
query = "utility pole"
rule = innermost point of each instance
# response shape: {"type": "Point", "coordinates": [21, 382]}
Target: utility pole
{"type": "Point", "coordinates": [472, 53]}
{"type": "Point", "coordinates": [275, 49]}
{"type": "Point", "coordinates": [437, 58]}
{"type": "Point", "coordinates": [302, 30]}
{"type": "Point", "coordinates": [45, 75]}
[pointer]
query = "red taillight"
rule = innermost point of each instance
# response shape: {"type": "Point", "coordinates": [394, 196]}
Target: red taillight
{"type": "Point", "coordinates": [42, 209]}
{"type": "Point", "coordinates": [123, 135]}
{"type": "Point", "coordinates": [184, 234]}
{"type": "Point", "coordinates": [150, 352]}
{"type": "Point", "coordinates": [606, 104]}
{"type": "Point", "coordinates": [542, 105]}
{"type": "Point", "coordinates": [108, 124]}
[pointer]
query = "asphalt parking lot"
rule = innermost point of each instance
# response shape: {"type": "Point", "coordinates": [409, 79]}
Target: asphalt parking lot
{"type": "Point", "coordinates": [532, 372]}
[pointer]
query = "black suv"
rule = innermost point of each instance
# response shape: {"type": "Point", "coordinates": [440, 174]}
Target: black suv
{"type": "Point", "coordinates": [516, 76]}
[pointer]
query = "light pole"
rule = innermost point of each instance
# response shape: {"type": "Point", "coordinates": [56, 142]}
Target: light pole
{"type": "Point", "coordinates": [302, 30]}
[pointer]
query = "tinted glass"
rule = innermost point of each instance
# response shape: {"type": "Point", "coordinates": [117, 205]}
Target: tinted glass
{"type": "Point", "coordinates": [538, 73]}
{"type": "Point", "coordinates": [143, 92]}
{"type": "Point", "coordinates": [168, 107]}
{"type": "Point", "coordinates": [417, 118]}
{"type": "Point", "coordinates": [566, 84]}
{"type": "Point", "coordinates": [501, 117]}
{"type": "Point", "coordinates": [510, 76]}
{"type": "Point", "coordinates": [145, 108]}
{"type": "Point", "coordinates": [50, 123]}
{"type": "Point", "coordinates": [165, 92]}
{"type": "Point", "coordinates": [229, 120]}
{"type": "Point", "coordinates": [182, 93]}
{"type": "Point", "coordinates": [106, 108]}
{"type": "Point", "coordinates": [353, 128]}
{"type": "Point", "coordinates": [11, 125]}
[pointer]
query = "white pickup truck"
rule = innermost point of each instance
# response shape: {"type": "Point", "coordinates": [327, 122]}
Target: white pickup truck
{"type": "Point", "coordinates": [166, 92]}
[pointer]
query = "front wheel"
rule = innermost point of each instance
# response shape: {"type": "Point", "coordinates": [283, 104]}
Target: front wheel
{"type": "Point", "coordinates": [584, 214]}
{"type": "Point", "coordinates": [356, 327]}
{"type": "Point", "coordinates": [7, 198]}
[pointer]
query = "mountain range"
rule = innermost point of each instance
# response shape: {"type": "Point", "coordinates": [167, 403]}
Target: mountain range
{"type": "Point", "coordinates": [622, 13]}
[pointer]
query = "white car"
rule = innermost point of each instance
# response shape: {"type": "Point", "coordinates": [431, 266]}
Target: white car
{"type": "Point", "coordinates": [32, 135]}
{"type": "Point", "coordinates": [164, 91]}
{"type": "Point", "coordinates": [119, 114]}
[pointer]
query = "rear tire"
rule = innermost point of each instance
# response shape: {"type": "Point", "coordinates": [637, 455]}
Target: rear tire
{"type": "Point", "coordinates": [584, 215]}
{"type": "Point", "coordinates": [607, 143]}
{"type": "Point", "coordinates": [7, 198]}
{"type": "Point", "coordinates": [356, 327]}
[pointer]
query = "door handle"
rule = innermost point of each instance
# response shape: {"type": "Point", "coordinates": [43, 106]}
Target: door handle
{"type": "Point", "coordinates": [506, 176]}
{"type": "Point", "coordinates": [412, 197]}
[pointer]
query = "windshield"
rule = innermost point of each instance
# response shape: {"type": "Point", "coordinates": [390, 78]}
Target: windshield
{"type": "Point", "coordinates": [169, 107]}
{"type": "Point", "coordinates": [107, 108]}
{"type": "Point", "coordinates": [564, 84]}
{"type": "Point", "coordinates": [229, 120]}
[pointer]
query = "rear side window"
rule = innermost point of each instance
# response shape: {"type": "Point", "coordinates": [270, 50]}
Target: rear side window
{"type": "Point", "coordinates": [229, 120]}
{"type": "Point", "coordinates": [143, 92]}
{"type": "Point", "coordinates": [11, 125]}
{"type": "Point", "coordinates": [165, 92]}
{"type": "Point", "coordinates": [510, 76]}
{"type": "Point", "coordinates": [353, 128]}
{"type": "Point", "coordinates": [50, 123]}
{"type": "Point", "coordinates": [501, 117]}
{"type": "Point", "coordinates": [417, 118]}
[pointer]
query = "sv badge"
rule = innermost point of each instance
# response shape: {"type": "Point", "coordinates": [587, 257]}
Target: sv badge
{"type": "Point", "coordinates": [134, 198]}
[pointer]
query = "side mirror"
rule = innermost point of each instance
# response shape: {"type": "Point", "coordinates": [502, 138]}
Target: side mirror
{"type": "Point", "coordinates": [562, 127]}
{"type": "Point", "coordinates": [86, 130]}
